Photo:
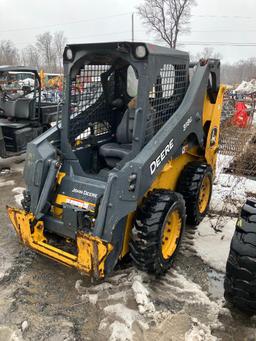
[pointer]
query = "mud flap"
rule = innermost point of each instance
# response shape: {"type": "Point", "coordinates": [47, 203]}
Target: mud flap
{"type": "Point", "coordinates": [92, 251]}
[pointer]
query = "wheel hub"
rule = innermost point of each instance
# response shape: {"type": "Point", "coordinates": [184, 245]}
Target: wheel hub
{"type": "Point", "coordinates": [171, 233]}
{"type": "Point", "coordinates": [204, 194]}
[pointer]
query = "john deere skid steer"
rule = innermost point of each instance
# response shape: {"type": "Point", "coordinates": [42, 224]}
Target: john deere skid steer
{"type": "Point", "coordinates": [131, 161]}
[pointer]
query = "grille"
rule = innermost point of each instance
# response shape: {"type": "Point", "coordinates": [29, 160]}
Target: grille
{"type": "Point", "coordinates": [233, 138]}
{"type": "Point", "coordinates": [228, 108]}
{"type": "Point", "coordinates": [245, 163]}
{"type": "Point", "coordinates": [238, 142]}
{"type": "Point", "coordinates": [89, 109]}
{"type": "Point", "coordinates": [166, 96]}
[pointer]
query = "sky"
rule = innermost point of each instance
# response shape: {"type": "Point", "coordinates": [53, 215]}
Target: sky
{"type": "Point", "coordinates": [227, 26]}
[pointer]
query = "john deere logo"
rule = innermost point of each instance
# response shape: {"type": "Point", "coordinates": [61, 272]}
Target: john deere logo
{"type": "Point", "coordinates": [157, 162]}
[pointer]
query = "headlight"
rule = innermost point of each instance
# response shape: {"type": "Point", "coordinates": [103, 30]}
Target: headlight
{"type": "Point", "coordinates": [69, 54]}
{"type": "Point", "coordinates": [140, 51]}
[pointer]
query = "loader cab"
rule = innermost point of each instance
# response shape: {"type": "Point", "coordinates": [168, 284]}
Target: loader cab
{"type": "Point", "coordinates": [19, 92]}
{"type": "Point", "coordinates": [118, 95]}
{"type": "Point", "coordinates": [24, 114]}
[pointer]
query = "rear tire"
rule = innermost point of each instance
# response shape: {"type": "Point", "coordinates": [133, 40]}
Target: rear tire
{"type": "Point", "coordinates": [157, 232]}
{"type": "Point", "coordinates": [240, 279]}
{"type": "Point", "coordinates": [195, 185]}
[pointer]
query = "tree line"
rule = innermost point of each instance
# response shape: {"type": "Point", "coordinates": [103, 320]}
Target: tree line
{"type": "Point", "coordinates": [237, 72]}
{"type": "Point", "coordinates": [46, 53]}
{"type": "Point", "coordinates": [231, 73]}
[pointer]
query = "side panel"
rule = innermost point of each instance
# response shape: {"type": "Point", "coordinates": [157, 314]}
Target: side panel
{"type": "Point", "coordinates": [119, 199]}
{"type": "Point", "coordinates": [169, 176]}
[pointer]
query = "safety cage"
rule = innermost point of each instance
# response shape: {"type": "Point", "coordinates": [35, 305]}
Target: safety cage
{"type": "Point", "coordinates": [166, 96]}
{"type": "Point", "coordinates": [105, 89]}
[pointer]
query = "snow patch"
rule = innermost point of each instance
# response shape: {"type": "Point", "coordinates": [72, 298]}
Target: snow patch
{"type": "Point", "coordinates": [103, 324]}
{"type": "Point", "coordinates": [19, 196]}
{"type": "Point", "coordinates": [121, 295]}
{"type": "Point", "coordinates": [211, 246]}
{"type": "Point", "coordinates": [194, 293]}
{"type": "Point", "coordinates": [102, 287]}
{"type": "Point", "coordinates": [223, 161]}
{"type": "Point", "coordinates": [141, 294]}
{"type": "Point", "coordinates": [7, 334]}
{"type": "Point", "coordinates": [91, 298]}
{"type": "Point", "coordinates": [122, 312]}
{"type": "Point", "coordinates": [121, 328]}
{"type": "Point", "coordinates": [120, 332]}
{"type": "Point", "coordinates": [246, 87]}
{"type": "Point", "coordinates": [18, 189]}
{"type": "Point", "coordinates": [78, 286]}
{"type": "Point", "coordinates": [24, 325]}
{"type": "Point", "coordinates": [200, 332]}
{"type": "Point", "coordinates": [229, 191]}
{"type": "Point", "coordinates": [7, 183]}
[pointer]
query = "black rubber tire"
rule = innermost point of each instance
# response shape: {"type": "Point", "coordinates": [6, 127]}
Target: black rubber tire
{"type": "Point", "coordinates": [240, 279]}
{"type": "Point", "coordinates": [189, 185]}
{"type": "Point", "coordinates": [146, 237]}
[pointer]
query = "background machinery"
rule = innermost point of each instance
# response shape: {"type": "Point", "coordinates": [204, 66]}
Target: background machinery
{"type": "Point", "coordinates": [24, 114]}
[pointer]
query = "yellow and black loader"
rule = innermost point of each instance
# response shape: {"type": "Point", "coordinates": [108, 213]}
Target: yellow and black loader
{"type": "Point", "coordinates": [131, 162]}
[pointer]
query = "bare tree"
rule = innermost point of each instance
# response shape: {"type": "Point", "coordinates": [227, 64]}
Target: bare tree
{"type": "Point", "coordinates": [9, 54]}
{"type": "Point", "coordinates": [239, 71]}
{"type": "Point", "coordinates": [45, 47]}
{"type": "Point", "coordinates": [45, 53]}
{"type": "Point", "coordinates": [166, 18]}
{"type": "Point", "coordinates": [30, 56]}
{"type": "Point", "coordinates": [206, 53]}
{"type": "Point", "coordinates": [59, 43]}
{"type": "Point", "coordinates": [50, 49]}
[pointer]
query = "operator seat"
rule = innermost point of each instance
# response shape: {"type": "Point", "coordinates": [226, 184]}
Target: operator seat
{"type": "Point", "coordinates": [116, 151]}
{"type": "Point", "coordinates": [24, 107]}
{"type": "Point", "coordinates": [20, 108]}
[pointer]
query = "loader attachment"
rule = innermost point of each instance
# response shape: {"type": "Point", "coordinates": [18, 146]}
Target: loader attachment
{"type": "Point", "coordinates": [91, 250]}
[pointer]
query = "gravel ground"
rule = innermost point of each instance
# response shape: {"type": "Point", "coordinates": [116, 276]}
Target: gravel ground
{"type": "Point", "coordinates": [43, 300]}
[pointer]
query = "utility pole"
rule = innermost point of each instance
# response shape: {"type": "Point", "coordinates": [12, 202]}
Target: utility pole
{"type": "Point", "coordinates": [132, 26]}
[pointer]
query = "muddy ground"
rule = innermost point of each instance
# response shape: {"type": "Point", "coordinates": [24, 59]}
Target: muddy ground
{"type": "Point", "coordinates": [43, 300]}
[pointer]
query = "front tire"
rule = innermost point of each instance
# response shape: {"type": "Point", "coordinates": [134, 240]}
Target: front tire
{"type": "Point", "coordinates": [157, 232]}
{"type": "Point", "coordinates": [195, 185]}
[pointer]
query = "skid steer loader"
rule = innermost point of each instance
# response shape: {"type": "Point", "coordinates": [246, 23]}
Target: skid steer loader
{"type": "Point", "coordinates": [131, 161]}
